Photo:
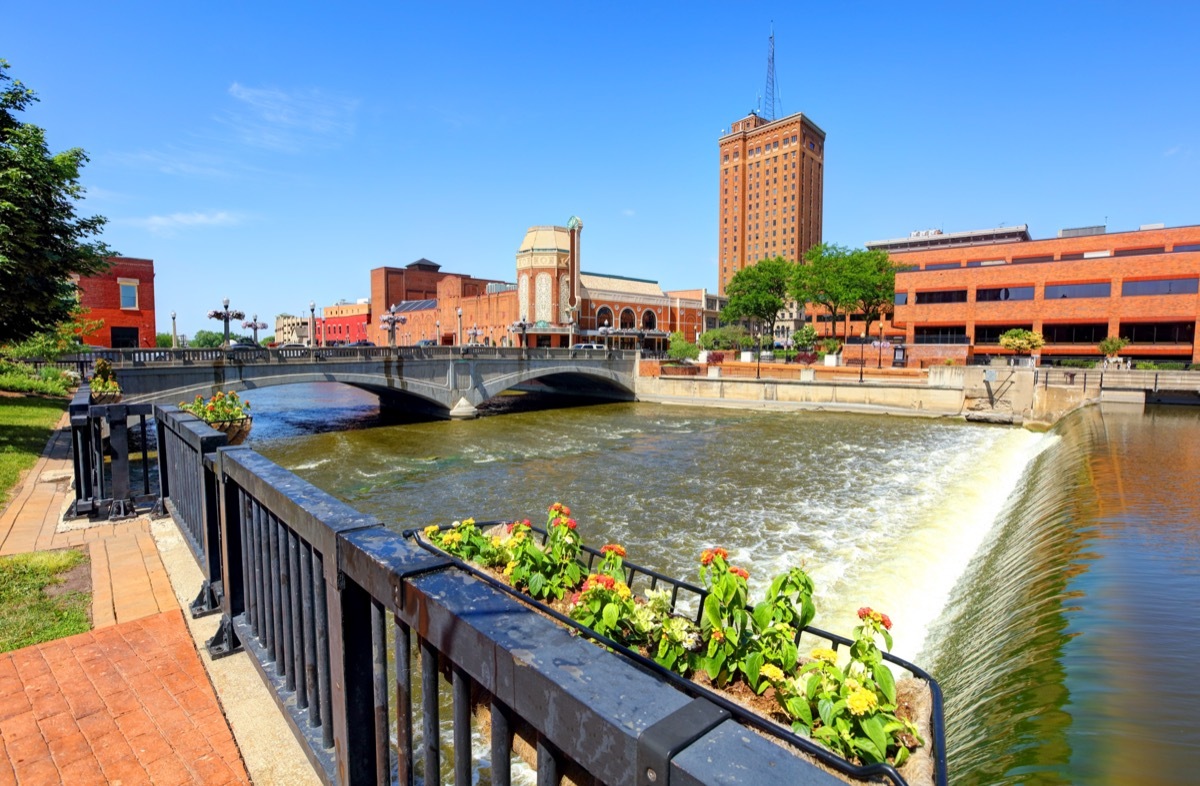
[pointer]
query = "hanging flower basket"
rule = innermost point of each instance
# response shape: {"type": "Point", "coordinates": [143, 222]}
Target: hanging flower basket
{"type": "Point", "coordinates": [236, 431]}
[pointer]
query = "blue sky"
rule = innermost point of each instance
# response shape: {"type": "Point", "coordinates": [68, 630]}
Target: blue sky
{"type": "Point", "coordinates": [275, 152]}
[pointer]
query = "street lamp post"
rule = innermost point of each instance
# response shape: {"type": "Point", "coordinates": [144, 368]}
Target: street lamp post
{"type": "Point", "coordinates": [880, 363]}
{"type": "Point", "coordinates": [255, 325]}
{"type": "Point", "coordinates": [174, 335]}
{"type": "Point", "coordinates": [437, 331]}
{"type": "Point", "coordinates": [862, 348]}
{"type": "Point", "coordinates": [458, 336]}
{"type": "Point", "coordinates": [312, 323]}
{"type": "Point", "coordinates": [224, 314]}
{"type": "Point", "coordinates": [390, 321]}
{"type": "Point", "coordinates": [604, 331]}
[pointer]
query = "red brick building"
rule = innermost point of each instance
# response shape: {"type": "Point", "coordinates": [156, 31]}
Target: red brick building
{"type": "Point", "coordinates": [344, 323]}
{"type": "Point", "coordinates": [771, 186]}
{"type": "Point", "coordinates": [122, 298]}
{"type": "Point", "coordinates": [959, 292]}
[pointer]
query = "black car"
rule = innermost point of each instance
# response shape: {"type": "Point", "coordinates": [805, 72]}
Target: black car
{"type": "Point", "coordinates": [362, 343]}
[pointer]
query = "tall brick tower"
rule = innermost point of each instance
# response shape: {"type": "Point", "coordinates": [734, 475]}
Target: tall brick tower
{"type": "Point", "coordinates": [770, 191]}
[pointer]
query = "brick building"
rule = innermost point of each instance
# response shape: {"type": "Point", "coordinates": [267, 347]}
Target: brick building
{"type": "Point", "coordinates": [345, 323]}
{"type": "Point", "coordinates": [957, 293]}
{"type": "Point", "coordinates": [122, 298]}
{"type": "Point", "coordinates": [553, 303]}
{"type": "Point", "coordinates": [771, 186]}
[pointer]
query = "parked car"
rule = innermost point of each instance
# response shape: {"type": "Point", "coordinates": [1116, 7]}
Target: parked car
{"type": "Point", "coordinates": [361, 343]}
{"type": "Point", "coordinates": [291, 345]}
{"type": "Point", "coordinates": [587, 346]}
{"type": "Point", "coordinates": [427, 342]}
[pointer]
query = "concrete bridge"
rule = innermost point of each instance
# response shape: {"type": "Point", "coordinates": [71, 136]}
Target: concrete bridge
{"type": "Point", "coordinates": [443, 381]}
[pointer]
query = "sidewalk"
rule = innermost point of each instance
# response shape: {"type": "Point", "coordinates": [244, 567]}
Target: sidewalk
{"type": "Point", "coordinates": [131, 701]}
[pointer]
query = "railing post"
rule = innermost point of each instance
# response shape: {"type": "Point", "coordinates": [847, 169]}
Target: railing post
{"type": "Point", "coordinates": [81, 452]}
{"type": "Point", "coordinates": [208, 601]}
{"type": "Point", "coordinates": [118, 440]}
{"type": "Point", "coordinates": [225, 641]}
{"type": "Point", "coordinates": [350, 665]}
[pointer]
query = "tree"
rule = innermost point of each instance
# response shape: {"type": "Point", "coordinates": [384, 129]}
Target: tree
{"type": "Point", "coordinates": [1112, 346]}
{"type": "Point", "coordinates": [873, 283]}
{"type": "Point", "coordinates": [826, 279]}
{"type": "Point", "coordinates": [162, 340]}
{"type": "Point", "coordinates": [759, 293]}
{"type": "Point", "coordinates": [1022, 341]}
{"type": "Point", "coordinates": [681, 348]}
{"type": "Point", "coordinates": [207, 339]}
{"type": "Point", "coordinates": [63, 338]}
{"type": "Point", "coordinates": [42, 241]}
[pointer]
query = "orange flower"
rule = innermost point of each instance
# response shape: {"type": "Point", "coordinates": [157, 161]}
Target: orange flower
{"type": "Point", "coordinates": [741, 572]}
{"type": "Point", "coordinates": [613, 548]}
{"type": "Point", "coordinates": [706, 557]}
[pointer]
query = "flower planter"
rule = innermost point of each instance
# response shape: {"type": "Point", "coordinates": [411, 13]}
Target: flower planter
{"type": "Point", "coordinates": [235, 431]}
{"type": "Point", "coordinates": [919, 692]}
{"type": "Point", "coordinates": [105, 397]}
{"type": "Point", "coordinates": [833, 360]}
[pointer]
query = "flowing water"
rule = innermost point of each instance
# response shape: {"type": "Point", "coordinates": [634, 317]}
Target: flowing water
{"type": "Point", "coordinates": [1044, 579]}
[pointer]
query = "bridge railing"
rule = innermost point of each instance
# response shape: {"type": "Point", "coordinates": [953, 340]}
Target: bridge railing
{"type": "Point", "coordinates": [132, 358]}
{"type": "Point", "coordinates": [374, 647]}
{"type": "Point", "coordinates": [110, 445]}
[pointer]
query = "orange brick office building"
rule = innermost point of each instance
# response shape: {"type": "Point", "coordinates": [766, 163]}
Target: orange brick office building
{"type": "Point", "coordinates": [961, 291]}
{"type": "Point", "coordinates": [122, 298]}
{"type": "Point", "coordinates": [772, 176]}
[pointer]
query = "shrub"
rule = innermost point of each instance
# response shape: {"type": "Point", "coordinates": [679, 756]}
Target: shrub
{"type": "Point", "coordinates": [23, 378]}
{"type": "Point", "coordinates": [831, 346]}
{"type": "Point", "coordinates": [219, 408]}
{"type": "Point", "coordinates": [716, 358]}
{"type": "Point", "coordinates": [1071, 363]}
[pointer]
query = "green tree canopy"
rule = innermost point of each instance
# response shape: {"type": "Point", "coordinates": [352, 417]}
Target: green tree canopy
{"type": "Point", "coordinates": [42, 241]}
{"type": "Point", "coordinates": [1022, 341]}
{"type": "Point", "coordinates": [827, 279]}
{"type": "Point", "coordinates": [681, 348]}
{"type": "Point", "coordinates": [873, 283]}
{"type": "Point", "coordinates": [758, 293]}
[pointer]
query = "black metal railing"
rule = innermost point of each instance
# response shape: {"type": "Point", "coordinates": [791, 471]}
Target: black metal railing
{"type": "Point", "coordinates": [188, 484]}
{"type": "Point", "coordinates": [638, 578]}
{"type": "Point", "coordinates": [319, 594]}
{"type": "Point", "coordinates": [110, 445]}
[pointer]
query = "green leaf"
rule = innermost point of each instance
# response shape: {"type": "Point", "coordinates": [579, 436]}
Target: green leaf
{"type": "Point", "coordinates": [874, 729]}
{"type": "Point", "coordinates": [536, 582]}
{"type": "Point", "coordinates": [886, 682]}
{"type": "Point", "coordinates": [762, 615]}
{"type": "Point", "coordinates": [825, 710]}
{"type": "Point", "coordinates": [751, 666]}
{"type": "Point", "coordinates": [870, 752]}
{"type": "Point", "coordinates": [611, 615]}
{"type": "Point", "coordinates": [887, 637]}
{"type": "Point", "coordinates": [712, 611]}
{"type": "Point", "coordinates": [800, 710]}
{"type": "Point", "coordinates": [901, 755]}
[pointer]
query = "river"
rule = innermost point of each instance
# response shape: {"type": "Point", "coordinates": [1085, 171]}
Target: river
{"type": "Point", "coordinates": [1048, 581]}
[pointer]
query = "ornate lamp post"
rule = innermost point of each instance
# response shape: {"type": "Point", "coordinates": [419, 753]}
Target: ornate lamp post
{"type": "Point", "coordinates": [312, 323]}
{"type": "Point", "coordinates": [389, 321]}
{"type": "Point", "coordinates": [225, 315]}
{"type": "Point", "coordinates": [522, 326]}
{"type": "Point", "coordinates": [879, 364]}
{"type": "Point", "coordinates": [862, 348]}
{"type": "Point", "coordinates": [174, 335]}
{"type": "Point", "coordinates": [605, 330]}
{"type": "Point", "coordinates": [255, 325]}
{"type": "Point", "coordinates": [437, 331]}
{"type": "Point", "coordinates": [458, 336]}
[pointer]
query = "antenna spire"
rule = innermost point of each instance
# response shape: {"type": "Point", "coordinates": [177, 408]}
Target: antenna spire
{"type": "Point", "coordinates": [769, 102]}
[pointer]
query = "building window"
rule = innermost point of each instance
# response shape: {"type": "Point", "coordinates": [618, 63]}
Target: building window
{"type": "Point", "coordinates": [941, 334]}
{"type": "Point", "coordinates": [990, 334]}
{"type": "Point", "coordinates": [1086, 333]}
{"type": "Point", "coordinates": [991, 295]}
{"type": "Point", "coordinates": [1159, 332]}
{"type": "Point", "coordinates": [943, 265]}
{"type": "Point", "coordinates": [900, 299]}
{"type": "Point", "coordinates": [1137, 252]}
{"type": "Point", "coordinates": [129, 293]}
{"type": "Point", "coordinates": [1188, 247]}
{"type": "Point", "coordinates": [942, 296]}
{"type": "Point", "coordinates": [1028, 260]}
{"type": "Point", "coordinates": [1164, 286]}
{"type": "Point", "coordinates": [1066, 291]}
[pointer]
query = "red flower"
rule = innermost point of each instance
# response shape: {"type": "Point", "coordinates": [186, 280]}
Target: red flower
{"type": "Point", "coordinates": [717, 635]}
{"type": "Point", "coordinates": [706, 557]}
{"type": "Point", "coordinates": [722, 553]}
{"type": "Point", "coordinates": [741, 572]}
{"type": "Point", "coordinates": [613, 548]}
{"type": "Point", "coordinates": [886, 620]}
{"type": "Point", "coordinates": [864, 612]}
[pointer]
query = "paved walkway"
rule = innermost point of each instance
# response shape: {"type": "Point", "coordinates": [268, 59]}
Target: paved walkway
{"type": "Point", "coordinates": [128, 702]}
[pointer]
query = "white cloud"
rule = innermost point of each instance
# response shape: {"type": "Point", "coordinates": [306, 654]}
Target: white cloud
{"type": "Point", "coordinates": [289, 121]}
{"type": "Point", "coordinates": [169, 224]}
{"type": "Point", "coordinates": [1172, 151]}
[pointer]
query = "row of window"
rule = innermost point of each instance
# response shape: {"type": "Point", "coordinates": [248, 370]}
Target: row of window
{"type": "Point", "coordinates": [1121, 252]}
{"type": "Point", "coordinates": [1070, 333]}
{"type": "Point", "coordinates": [1162, 286]}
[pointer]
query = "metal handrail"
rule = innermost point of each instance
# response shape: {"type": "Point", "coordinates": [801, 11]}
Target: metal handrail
{"type": "Point", "coordinates": [737, 711]}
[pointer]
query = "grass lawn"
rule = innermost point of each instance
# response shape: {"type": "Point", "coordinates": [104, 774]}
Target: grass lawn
{"type": "Point", "coordinates": [26, 423]}
{"type": "Point", "coordinates": [43, 596]}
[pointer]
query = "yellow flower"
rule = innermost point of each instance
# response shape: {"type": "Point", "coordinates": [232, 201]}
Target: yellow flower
{"type": "Point", "coordinates": [771, 672]}
{"type": "Point", "coordinates": [509, 568]}
{"type": "Point", "coordinates": [825, 654]}
{"type": "Point", "coordinates": [496, 541]}
{"type": "Point", "coordinates": [450, 538]}
{"type": "Point", "coordinates": [853, 684]}
{"type": "Point", "coordinates": [623, 591]}
{"type": "Point", "coordinates": [431, 530]}
{"type": "Point", "coordinates": [468, 522]}
{"type": "Point", "coordinates": [861, 701]}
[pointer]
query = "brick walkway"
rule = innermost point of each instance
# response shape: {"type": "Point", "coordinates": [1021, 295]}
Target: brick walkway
{"type": "Point", "coordinates": [128, 702]}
